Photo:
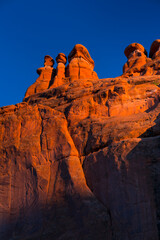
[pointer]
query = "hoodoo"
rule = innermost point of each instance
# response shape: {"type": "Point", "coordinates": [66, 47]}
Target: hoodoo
{"type": "Point", "coordinates": [155, 49]}
{"type": "Point", "coordinates": [59, 79]}
{"type": "Point", "coordinates": [137, 57]}
{"type": "Point", "coordinates": [80, 156]}
{"type": "Point", "coordinates": [81, 64]}
{"type": "Point", "coordinates": [46, 74]}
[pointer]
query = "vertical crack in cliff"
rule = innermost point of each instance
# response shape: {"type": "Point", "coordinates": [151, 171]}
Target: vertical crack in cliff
{"type": "Point", "coordinates": [41, 135]}
{"type": "Point", "coordinates": [66, 113]}
{"type": "Point", "coordinates": [78, 69]}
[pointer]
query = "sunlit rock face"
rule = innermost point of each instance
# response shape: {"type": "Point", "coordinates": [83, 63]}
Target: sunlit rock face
{"type": "Point", "coordinates": [137, 57]}
{"type": "Point", "coordinates": [46, 74]}
{"type": "Point", "coordinates": [59, 79]}
{"type": "Point", "coordinates": [138, 64]}
{"type": "Point", "coordinates": [81, 159]}
{"type": "Point", "coordinates": [81, 64]}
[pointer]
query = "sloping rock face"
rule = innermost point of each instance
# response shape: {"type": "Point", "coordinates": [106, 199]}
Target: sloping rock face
{"type": "Point", "coordinates": [81, 161]}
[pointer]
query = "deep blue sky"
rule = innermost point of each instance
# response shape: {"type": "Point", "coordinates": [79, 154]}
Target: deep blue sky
{"type": "Point", "coordinates": [31, 29]}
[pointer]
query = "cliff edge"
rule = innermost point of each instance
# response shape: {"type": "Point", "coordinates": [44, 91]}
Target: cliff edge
{"type": "Point", "coordinates": [80, 156]}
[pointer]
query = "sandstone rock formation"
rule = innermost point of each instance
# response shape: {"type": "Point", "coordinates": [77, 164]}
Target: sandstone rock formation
{"type": "Point", "coordinates": [138, 64]}
{"type": "Point", "coordinates": [81, 64]}
{"type": "Point", "coordinates": [155, 49]}
{"type": "Point", "coordinates": [137, 57]}
{"type": "Point", "coordinates": [46, 74]}
{"type": "Point", "coordinates": [81, 160]}
{"type": "Point", "coordinates": [59, 79]}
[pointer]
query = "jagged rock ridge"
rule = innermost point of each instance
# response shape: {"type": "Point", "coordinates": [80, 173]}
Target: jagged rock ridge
{"type": "Point", "coordinates": [79, 157]}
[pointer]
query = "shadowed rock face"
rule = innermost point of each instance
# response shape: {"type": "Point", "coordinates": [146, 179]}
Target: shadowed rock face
{"type": "Point", "coordinates": [155, 49]}
{"type": "Point", "coordinates": [81, 161]}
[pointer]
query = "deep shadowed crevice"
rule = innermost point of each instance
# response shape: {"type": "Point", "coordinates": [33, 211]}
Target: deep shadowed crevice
{"type": "Point", "coordinates": [153, 131]}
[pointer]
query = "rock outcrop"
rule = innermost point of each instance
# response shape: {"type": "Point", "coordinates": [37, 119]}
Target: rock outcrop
{"type": "Point", "coordinates": [155, 50]}
{"type": "Point", "coordinates": [46, 75]}
{"type": "Point", "coordinates": [81, 159]}
{"type": "Point", "coordinates": [59, 79]}
{"type": "Point", "coordinates": [80, 66]}
{"type": "Point", "coordinates": [138, 64]}
{"type": "Point", "coordinates": [137, 57]}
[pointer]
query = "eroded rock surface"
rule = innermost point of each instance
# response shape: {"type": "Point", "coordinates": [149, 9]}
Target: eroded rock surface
{"type": "Point", "coordinates": [60, 77]}
{"type": "Point", "coordinates": [81, 160]}
{"type": "Point", "coordinates": [137, 57]}
{"type": "Point", "coordinates": [43, 190]}
{"type": "Point", "coordinates": [46, 76]}
{"type": "Point", "coordinates": [81, 64]}
{"type": "Point", "coordinates": [138, 63]}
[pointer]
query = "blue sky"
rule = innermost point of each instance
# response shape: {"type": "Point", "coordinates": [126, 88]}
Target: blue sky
{"type": "Point", "coordinates": [34, 28]}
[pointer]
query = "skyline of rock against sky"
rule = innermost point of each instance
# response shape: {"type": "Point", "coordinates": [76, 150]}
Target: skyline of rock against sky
{"type": "Point", "coordinates": [32, 29]}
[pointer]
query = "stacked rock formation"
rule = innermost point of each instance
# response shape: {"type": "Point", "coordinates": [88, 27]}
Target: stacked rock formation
{"type": "Point", "coordinates": [138, 63]}
{"type": "Point", "coordinates": [81, 159]}
{"type": "Point", "coordinates": [60, 71]}
{"type": "Point", "coordinates": [80, 66]}
{"type": "Point", "coordinates": [137, 57]}
{"type": "Point", "coordinates": [46, 74]}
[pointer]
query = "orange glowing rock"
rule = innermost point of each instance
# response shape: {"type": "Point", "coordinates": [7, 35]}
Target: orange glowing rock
{"type": "Point", "coordinates": [59, 79]}
{"type": "Point", "coordinates": [46, 74]}
{"type": "Point", "coordinates": [81, 64]}
{"type": "Point", "coordinates": [137, 57]}
{"type": "Point", "coordinates": [138, 64]}
{"type": "Point", "coordinates": [80, 160]}
{"type": "Point", "coordinates": [155, 49]}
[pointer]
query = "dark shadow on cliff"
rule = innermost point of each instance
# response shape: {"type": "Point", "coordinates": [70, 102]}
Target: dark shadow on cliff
{"type": "Point", "coordinates": [68, 215]}
{"type": "Point", "coordinates": [125, 177]}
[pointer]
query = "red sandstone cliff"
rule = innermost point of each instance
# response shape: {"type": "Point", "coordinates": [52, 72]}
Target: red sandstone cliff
{"type": "Point", "coordinates": [80, 156]}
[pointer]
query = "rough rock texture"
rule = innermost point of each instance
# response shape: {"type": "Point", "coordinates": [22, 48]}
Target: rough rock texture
{"type": "Point", "coordinates": [43, 190]}
{"type": "Point", "coordinates": [155, 49]}
{"type": "Point", "coordinates": [137, 57]}
{"type": "Point", "coordinates": [81, 161]}
{"type": "Point", "coordinates": [60, 77]}
{"type": "Point", "coordinates": [138, 64]}
{"type": "Point", "coordinates": [81, 64]}
{"type": "Point", "coordinates": [46, 76]}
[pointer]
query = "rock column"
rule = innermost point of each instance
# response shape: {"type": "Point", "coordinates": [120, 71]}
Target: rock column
{"type": "Point", "coordinates": [45, 77]}
{"type": "Point", "coordinates": [59, 79]}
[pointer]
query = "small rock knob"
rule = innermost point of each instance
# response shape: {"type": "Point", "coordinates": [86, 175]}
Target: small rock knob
{"type": "Point", "coordinates": [48, 61]}
{"type": "Point", "coordinates": [61, 58]}
{"type": "Point", "coordinates": [133, 47]}
{"type": "Point", "coordinates": [154, 48]}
